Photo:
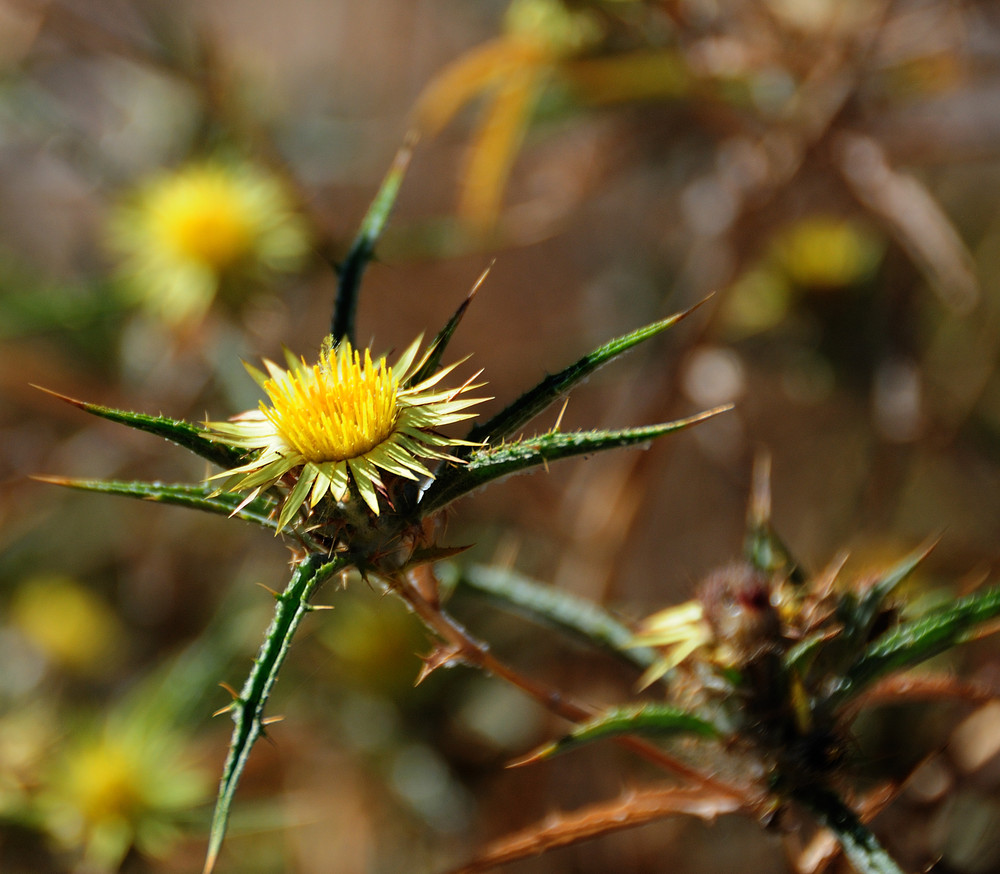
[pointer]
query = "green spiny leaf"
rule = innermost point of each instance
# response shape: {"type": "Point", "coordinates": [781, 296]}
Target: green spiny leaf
{"type": "Point", "coordinates": [653, 720]}
{"type": "Point", "coordinates": [535, 401]}
{"type": "Point", "coordinates": [248, 708]}
{"type": "Point", "coordinates": [913, 642]}
{"type": "Point", "coordinates": [196, 497]}
{"type": "Point", "coordinates": [191, 437]}
{"type": "Point", "coordinates": [762, 547]}
{"type": "Point", "coordinates": [432, 357]}
{"type": "Point", "coordinates": [496, 462]}
{"type": "Point", "coordinates": [860, 846]}
{"type": "Point", "coordinates": [363, 248]}
{"type": "Point", "coordinates": [559, 609]}
{"type": "Point", "coordinates": [859, 623]}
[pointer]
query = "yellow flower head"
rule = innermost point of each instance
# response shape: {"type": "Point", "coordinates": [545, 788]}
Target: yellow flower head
{"type": "Point", "coordinates": [185, 232]}
{"type": "Point", "coordinates": [347, 418]}
{"type": "Point", "coordinates": [120, 787]}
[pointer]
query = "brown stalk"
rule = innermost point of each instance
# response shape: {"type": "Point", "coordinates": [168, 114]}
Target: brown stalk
{"type": "Point", "coordinates": [463, 647]}
{"type": "Point", "coordinates": [631, 810]}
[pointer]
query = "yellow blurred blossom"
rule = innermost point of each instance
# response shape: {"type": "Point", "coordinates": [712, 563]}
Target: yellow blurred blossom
{"type": "Point", "coordinates": [824, 251]}
{"type": "Point", "coordinates": [67, 622]}
{"type": "Point", "coordinates": [119, 787]}
{"type": "Point", "coordinates": [186, 234]}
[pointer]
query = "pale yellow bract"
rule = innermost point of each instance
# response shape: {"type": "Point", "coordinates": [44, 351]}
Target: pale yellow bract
{"type": "Point", "coordinates": [347, 419]}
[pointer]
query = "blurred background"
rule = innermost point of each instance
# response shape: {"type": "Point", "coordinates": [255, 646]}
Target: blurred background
{"type": "Point", "coordinates": [177, 180]}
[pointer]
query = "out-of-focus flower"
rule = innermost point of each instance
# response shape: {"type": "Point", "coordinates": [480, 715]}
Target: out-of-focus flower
{"type": "Point", "coordinates": [827, 252]}
{"type": "Point", "coordinates": [70, 625]}
{"type": "Point", "coordinates": [185, 235]}
{"type": "Point", "coordinates": [120, 786]}
{"type": "Point", "coordinates": [733, 619]}
{"type": "Point", "coordinates": [343, 420]}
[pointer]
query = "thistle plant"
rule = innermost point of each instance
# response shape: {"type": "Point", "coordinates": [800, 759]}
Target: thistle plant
{"type": "Point", "coordinates": [770, 667]}
{"type": "Point", "coordinates": [347, 461]}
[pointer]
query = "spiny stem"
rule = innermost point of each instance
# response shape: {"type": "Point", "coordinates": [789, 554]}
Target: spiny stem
{"type": "Point", "coordinates": [473, 652]}
{"type": "Point", "coordinates": [248, 707]}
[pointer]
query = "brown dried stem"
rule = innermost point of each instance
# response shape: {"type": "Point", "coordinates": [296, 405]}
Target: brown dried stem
{"type": "Point", "coordinates": [462, 647]}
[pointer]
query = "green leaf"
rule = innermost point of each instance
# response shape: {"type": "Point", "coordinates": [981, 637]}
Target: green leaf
{"type": "Point", "coordinates": [762, 547]}
{"type": "Point", "coordinates": [535, 401]}
{"type": "Point", "coordinates": [432, 357]}
{"type": "Point", "coordinates": [190, 437]}
{"type": "Point", "coordinates": [496, 462]}
{"type": "Point", "coordinates": [859, 622]}
{"type": "Point", "coordinates": [913, 642]}
{"type": "Point", "coordinates": [248, 707]}
{"type": "Point", "coordinates": [650, 720]}
{"type": "Point", "coordinates": [194, 496]}
{"type": "Point", "coordinates": [353, 266]}
{"type": "Point", "coordinates": [860, 846]}
{"type": "Point", "coordinates": [545, 604]}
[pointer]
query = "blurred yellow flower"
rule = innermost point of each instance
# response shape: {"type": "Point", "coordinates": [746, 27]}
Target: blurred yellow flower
{"type": "Point", "coordinates": [184, 235]}
{"type": "Point", "coordinates": [119, 787]}
{"type": "Point", "coordinates": [824, 251]}
{"type": "Point", "coordinates": [341, 420]}
{"type": "Point", "coordinates": [68, 623]}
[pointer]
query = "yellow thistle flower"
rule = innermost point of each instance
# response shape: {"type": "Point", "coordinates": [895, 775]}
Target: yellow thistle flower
{"type": "Point", "coordinates": [185, 233]}
{"type": "Point", "coordinates": [126, 785]}
{"type": "Point", "coordinates": [344, 419]}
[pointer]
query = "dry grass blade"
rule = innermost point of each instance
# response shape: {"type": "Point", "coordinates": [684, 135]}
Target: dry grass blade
{"type": "Point", "coordinates": [630, 810]}
{"type": "Point", "coordinates": [915, 218]}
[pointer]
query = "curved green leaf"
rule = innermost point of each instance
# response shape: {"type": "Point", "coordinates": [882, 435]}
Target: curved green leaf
{"type": "Point", "coordinates": [190, 437]}
{"type": "Point", "coordinates": [432, 357]}
{"type": "Point", "coordinates": [562, 610]}
{"type": "Point", "coordinates": [496, 462]}
{"type": "Point", "coordinates": [913, 642]}
{"type": "Point", "coordinates": [535, 401]}
{"type": "Point", "coordinates": [651, 720]}
{"type": "Point", "coordinates": [248, 707]}
{"type": "Point", "coordinates": [860, 621]}
{"type": "Point", "coordinates": [199, 496]}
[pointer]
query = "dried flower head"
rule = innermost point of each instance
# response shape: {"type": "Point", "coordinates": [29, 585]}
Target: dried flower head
{"type": "Point", "coordinates": [347, 419]}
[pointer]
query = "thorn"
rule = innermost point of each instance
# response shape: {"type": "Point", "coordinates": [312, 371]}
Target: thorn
{"type": "Point", "coordinates": [230, 690]}
{"type": "Point", "coordinates": [559, 418]}
{"type": "Point", "coordinates": [532, 757]}
{"type": "Point", "coordinates": [52, 480]}
{"type": "Point", "coordinates": [270, 720]}
{"type": "Point", "coordinates": [440, 657]}
{"type": "Point", "coordinates": [481, 280]}
{"type": "Point", "coordinates": [273, 592]}
{"type": "Point", "coordinates": [83, 405]}
{"type": "Point", "coordinates": [229, 708]}
{"type": "Point", "coordinates": [316, 607]}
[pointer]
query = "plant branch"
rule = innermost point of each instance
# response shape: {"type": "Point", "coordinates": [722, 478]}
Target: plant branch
{"type": "Point", "coordinates": [465, 648]}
